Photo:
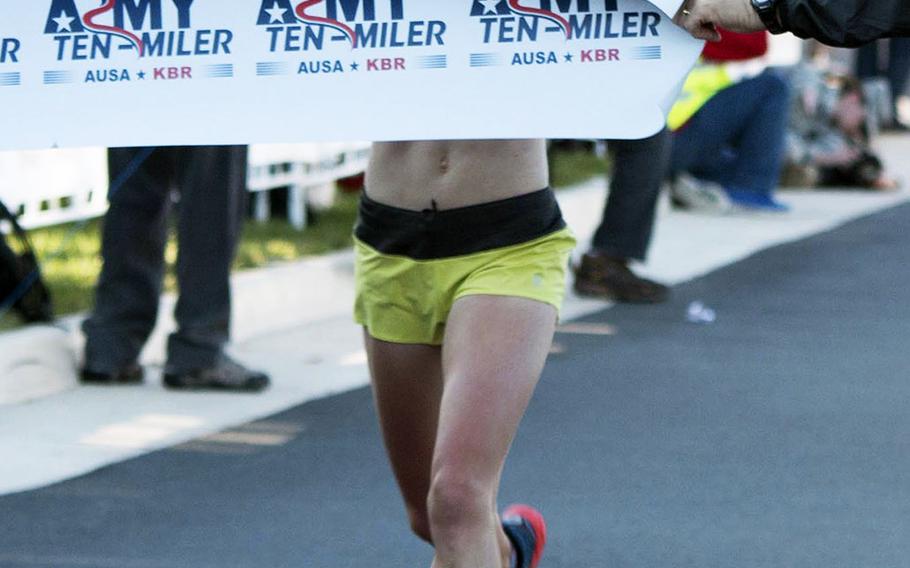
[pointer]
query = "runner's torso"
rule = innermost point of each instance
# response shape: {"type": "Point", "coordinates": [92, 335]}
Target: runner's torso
{"type": "Point", "coordinates": [412, 175]}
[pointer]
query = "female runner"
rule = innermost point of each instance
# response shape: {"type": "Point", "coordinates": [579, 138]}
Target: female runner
{"type": "Point", "coordinates": [462, 255]}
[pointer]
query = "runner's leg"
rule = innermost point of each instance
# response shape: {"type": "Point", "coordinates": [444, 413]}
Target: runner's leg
{"type": "Point", "coordinates": [407, 386]}
{"type": "Point", "coordinates": [495, 348]}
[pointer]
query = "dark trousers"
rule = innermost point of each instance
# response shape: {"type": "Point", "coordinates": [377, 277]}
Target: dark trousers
{"type": "Point", "coordinates": [639, 168]}
{"type": "Point", "coordinates": [210, 184]}
{"type": "Point", "coordinates": [737, 138]}
{"type": "Point", "coordinates": [896, 68]}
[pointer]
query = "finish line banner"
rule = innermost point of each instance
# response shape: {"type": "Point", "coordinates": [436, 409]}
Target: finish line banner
{"type": "Point", "coordinates": [175, 72]}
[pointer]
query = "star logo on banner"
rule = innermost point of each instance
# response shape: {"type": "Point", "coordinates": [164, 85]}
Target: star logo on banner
{"type": "Point", "coordinates": [354, 67]}
{"type": "Point", "coordinates": [63, 23]}
{"type": "Point", "coordinates": [568, 58]}
{"type": "Point", "coordinates": [276, 14]}
{"type": "Point", "coordinates": [141, 75]}
{"type": "Point", "coordinates": [490, 6]}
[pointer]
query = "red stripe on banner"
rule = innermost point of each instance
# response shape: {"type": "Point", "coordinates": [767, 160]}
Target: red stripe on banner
{"type": "Point", "coordinates": [301, 9]}
{"type": "Point", "coordinates": [564, 23]}
{"type": "Point", "coordinates": [88, 20]}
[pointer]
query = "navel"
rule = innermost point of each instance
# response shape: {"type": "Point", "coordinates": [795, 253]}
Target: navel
{"type": "Point", "coordinates": [444, 163]}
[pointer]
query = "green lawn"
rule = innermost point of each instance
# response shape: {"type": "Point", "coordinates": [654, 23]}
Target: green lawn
{"type": "Point", "coordinates": [574, 167]}
{"type": "Point", "coordinates": [277, 240]}
{"type": "Point", "coordinates": [71, 261]}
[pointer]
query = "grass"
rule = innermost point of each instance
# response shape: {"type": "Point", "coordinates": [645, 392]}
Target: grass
{"type": "Point", "coordinates": [277, 240]}
{"type": "Point", "coordinates": [576, 166]}
{"type": "Point", "coordinates": [71, 261]}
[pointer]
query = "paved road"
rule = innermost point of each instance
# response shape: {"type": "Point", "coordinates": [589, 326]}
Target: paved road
{"type": "Point", "coordinates": [778, 436]}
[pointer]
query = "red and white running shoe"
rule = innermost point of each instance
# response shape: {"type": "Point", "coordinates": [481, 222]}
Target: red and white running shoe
{"type": "Point", "coordinates": [527, 531]}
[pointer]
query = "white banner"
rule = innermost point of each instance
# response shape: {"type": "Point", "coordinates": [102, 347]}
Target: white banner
{"type": "Point", "coordinates": [168, 72]}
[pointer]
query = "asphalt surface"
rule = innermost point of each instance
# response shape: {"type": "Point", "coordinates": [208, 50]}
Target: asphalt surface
{"type": "Point", "coordinates": [777, 436]}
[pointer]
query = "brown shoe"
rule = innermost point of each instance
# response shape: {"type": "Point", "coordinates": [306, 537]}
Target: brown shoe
{"type": "Point", "coordinates": [609, 278]}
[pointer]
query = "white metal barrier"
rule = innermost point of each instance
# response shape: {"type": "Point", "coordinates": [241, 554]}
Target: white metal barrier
{"type": "Point", "coordinates": [309, 171]}
{"type": "Point", "coordinates": [49, 187]}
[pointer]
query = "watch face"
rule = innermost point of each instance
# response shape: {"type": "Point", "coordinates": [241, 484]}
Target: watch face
{"type": "Point", "coordinates": [761, 5]}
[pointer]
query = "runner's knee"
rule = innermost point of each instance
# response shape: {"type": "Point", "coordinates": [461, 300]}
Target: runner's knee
{"type": "Point", "coordinates": [457, 499]}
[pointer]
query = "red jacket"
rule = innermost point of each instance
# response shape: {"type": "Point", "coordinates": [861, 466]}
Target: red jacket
{"type": "Point", "coordinates": [736, 47]}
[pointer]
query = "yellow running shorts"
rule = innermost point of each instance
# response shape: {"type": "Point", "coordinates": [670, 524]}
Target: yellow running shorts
{"type": "Point", "coordinates": [412, 266]}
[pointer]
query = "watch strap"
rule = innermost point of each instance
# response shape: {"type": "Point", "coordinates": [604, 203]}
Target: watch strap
{"type": "Point", "coordinates": [767, 10]}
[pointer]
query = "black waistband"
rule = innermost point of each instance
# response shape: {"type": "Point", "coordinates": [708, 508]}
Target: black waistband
{"type": "Point", "coordinates": [432, 233]}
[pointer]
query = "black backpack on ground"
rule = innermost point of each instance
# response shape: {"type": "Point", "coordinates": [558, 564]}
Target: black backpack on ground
{"type": "Point", "coordinates": [20, 276]}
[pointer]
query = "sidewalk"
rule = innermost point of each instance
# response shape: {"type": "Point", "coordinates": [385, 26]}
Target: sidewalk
{"type": "Point", "coordinates": [294, 321]}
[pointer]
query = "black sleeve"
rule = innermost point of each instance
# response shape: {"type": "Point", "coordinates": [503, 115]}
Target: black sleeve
{"type": "Point", "coordinates": [846, 23]}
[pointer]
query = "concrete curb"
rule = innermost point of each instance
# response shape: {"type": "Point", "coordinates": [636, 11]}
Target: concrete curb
{"type": "Point", "coordinates": [35, 362]}
{"type": "Point", "coordinates": [40, 361]}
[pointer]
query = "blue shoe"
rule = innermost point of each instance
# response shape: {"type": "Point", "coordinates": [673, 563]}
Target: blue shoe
{"type": "Point", "coordinates": [754, 201]}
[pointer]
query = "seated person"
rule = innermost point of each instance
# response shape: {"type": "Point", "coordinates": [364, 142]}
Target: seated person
{"type": "Point", "coordinates": [829, 134]}
{"type": "Point", "coordinates": [728, 129]}
{"type": "Point", "coordinates": [462, 256]}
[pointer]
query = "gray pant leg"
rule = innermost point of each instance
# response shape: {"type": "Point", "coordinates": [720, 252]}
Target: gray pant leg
{"type": "Point", "coordinates": [212, 181]}
{"type": "Point", "coordinates": [134, 234]}
{"type": "Point", "coordinates": [639, 168]}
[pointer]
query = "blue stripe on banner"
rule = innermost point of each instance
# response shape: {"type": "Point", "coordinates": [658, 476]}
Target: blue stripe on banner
{"type": "Point", "coordinates": [484, 59]}
{"type": "Point", "coordinates": [647, 52]}
{"type": "Point", "coordinates": [219, 71]}
{"type": "Point", "coordinates": [57, 77]}
{"type": "Point", "coordinates": [433, 62]}
{"type": "Point", "coordinates": [268, 69]}
{"type": "Point", "coordinates": [10, 79]}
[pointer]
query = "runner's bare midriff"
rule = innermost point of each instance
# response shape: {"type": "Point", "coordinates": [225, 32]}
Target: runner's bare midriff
{"type": "Point", "coordinates": [411, 175]}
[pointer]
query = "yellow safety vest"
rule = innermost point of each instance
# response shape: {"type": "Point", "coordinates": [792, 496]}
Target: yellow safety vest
{"type": "Point", "coordinates": [703, 82]}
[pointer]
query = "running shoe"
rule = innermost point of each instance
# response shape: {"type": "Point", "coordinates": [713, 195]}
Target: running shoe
{"type": "Point", "coordinates": [750, 201]}
{"type": "Point", "coordinates": [694, 194]}
{"type": "Point", "coordinates": [527, 531]}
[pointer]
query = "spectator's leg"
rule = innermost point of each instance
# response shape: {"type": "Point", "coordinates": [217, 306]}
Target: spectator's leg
{"type": "Point", "coordinates": [133, 237]}
{"type": "Point", "coordinates": [760, 146]}
{"type": "Point", "coordinates": [212, 182]}
{"type": "Point", "coordinates": [639, 167]}
{"type": "Point", "coordinates": [867, 62]}
{"type": "Point", "coordinates": [627, 224]}
{"type": "Point", "coordinates": [749, 118]}
{"type": "Point", "coordinates": [899, 69]}
{"type": "Point", "coordinates": [701, 146]}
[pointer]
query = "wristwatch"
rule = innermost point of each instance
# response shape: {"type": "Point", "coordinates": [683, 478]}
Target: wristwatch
{"type": "Point", "coordinates": [767, 11]}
